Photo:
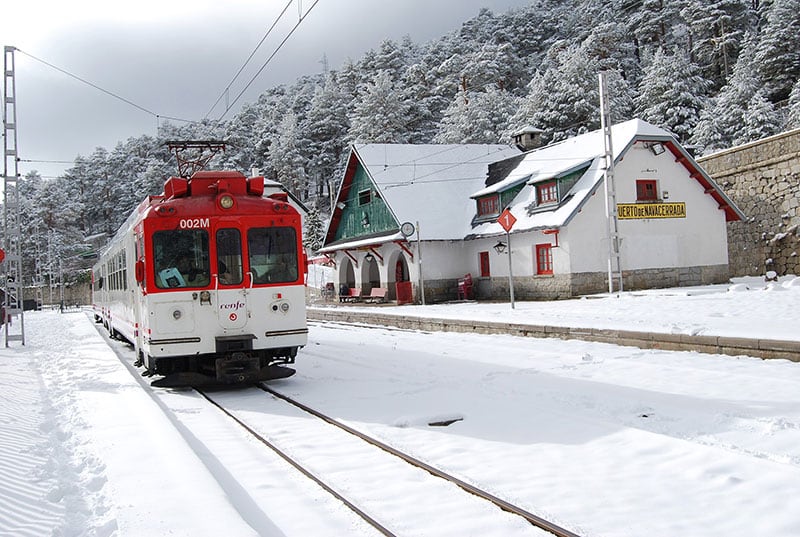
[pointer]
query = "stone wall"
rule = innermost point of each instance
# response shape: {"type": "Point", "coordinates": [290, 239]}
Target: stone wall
{"type": "Point", "coordinates": [763, 179]}
{"type": "Point", "coordinates": [79, 294]}
{"type": "Point", "coordinates": [562, 286]}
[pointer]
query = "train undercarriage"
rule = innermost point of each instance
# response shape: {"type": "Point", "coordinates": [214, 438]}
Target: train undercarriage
{"type": "Point", "coordinates": [226, 368]}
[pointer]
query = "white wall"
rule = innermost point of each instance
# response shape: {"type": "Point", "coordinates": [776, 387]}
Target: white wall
{"type": "Point", "coordinates": [698, 239]}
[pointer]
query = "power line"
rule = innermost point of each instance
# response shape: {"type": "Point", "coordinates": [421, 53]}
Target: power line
{"type": "Point", "coordinates": [228, 87]}
{"type": "Point", "coordinates": [107, 92]}
{"type": "Point", "coordinates": [285, 39]}
{"type": "Point", "coordinates": [46, 161]}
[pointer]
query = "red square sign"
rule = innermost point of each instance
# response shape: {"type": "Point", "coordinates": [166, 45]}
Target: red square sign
{"type": "Point", "coordinates": [506, 220]}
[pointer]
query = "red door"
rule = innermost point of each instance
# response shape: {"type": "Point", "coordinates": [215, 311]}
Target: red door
{"type": "Point", "coordinates": [404, 293]}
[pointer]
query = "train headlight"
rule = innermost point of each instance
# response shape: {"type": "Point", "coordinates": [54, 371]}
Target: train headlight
{"type": "Point", "coordinates": [177, 314]}
{"type": "Point", "coordinates": [280, 307]}
{"type": "Point", "coordinates": [226, 201]}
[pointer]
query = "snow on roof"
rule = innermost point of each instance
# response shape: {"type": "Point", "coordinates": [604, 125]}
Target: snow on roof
{"type": "Point", "coordinates": [360, 243]}
{"type": "Point", "coordinates": [431, 184]}
{"type": "Point", "coordinates": [558, 160]}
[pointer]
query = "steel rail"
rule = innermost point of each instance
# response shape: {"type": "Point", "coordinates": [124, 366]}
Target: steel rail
{"type": "Point", "coordinates": [535, 520]}
{"type": "Point", "coordinates": [368, 519]}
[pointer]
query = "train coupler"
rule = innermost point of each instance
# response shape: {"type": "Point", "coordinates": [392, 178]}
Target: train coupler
{"type": "Point", "coordinates": [238, 368]}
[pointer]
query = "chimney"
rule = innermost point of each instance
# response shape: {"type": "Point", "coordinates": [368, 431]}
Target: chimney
{"type": "Point", "coordinates": [528, 138]}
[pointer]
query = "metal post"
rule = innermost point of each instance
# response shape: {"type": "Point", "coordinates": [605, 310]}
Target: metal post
{"type": "Point", "coordinates": [614, 257]}
{"type": "Point", "coordinates": [12, 280]}
{"type": "Point", "coordinates": [510, 273]}
{"type": "Point", "coordinates": [421, 278]}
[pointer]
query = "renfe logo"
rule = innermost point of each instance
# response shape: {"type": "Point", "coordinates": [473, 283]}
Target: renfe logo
{"type": "Point", "coordinates": [235, 306]}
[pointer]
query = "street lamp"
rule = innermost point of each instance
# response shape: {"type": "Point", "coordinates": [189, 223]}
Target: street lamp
{"type": "Point", "coordinates": [500, 247]}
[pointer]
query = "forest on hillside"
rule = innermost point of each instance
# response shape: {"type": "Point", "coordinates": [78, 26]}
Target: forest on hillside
{"type": "Point", "coordinates": [716, 73]}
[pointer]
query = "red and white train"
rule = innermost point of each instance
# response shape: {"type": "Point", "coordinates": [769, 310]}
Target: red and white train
{"type": "Point", "coordinates": [207, 282]}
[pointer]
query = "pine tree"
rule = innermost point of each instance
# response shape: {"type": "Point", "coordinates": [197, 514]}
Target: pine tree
{"type": "Point", "coordinates": [793, 109]}
{"type": "Point", "coordinates": [716, 28]}
{"type": "Point", "coordinates": [652, 23]}
{"type": "Point", "coordinates": [380, 115]}
{"type": "Point", "coordinates": [564, 100]}
{"type": "Point", "coordinates": [493, 65]}
{"type": "Point", "coordinates": [672, 94]}
{"type": "Point", "coordinates": [314, 229]}
{"type": "Point", "coordinates": [722, 122]}
{"type": "Point", "coordinates": [778, 51]}
{"type": "Point", "coordinates": [287, 158]}
{"type": "Point", "coordinates": [607, 43]}
{"type": "Point", "coordinates": [760, 120]}
{"type": "Point", "coordinates": [326, 126]}
{"type": "Point", "coordinates": [477, 118]}
{"type": "Point", "coordinates": [240, 150]}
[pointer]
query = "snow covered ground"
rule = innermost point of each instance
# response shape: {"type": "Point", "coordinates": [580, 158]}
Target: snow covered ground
{"type": "Point", "coordinates": [748, 307]}
{"type": "Point", "coordinates": [605, 440]}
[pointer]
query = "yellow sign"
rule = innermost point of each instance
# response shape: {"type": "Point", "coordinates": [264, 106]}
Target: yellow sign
{"type": "Point", "coordinates": [631, 211]}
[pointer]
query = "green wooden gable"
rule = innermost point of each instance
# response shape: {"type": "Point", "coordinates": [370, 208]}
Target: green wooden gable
{"type": "Point", "coordinates": [365, 213]}
{"type": "Point", "coordinates": [507, 196]}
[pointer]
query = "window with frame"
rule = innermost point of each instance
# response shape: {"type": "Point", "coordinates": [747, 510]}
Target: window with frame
{"type": "Point", "coordinates": [483, 259]}
{"type": "Point", "coordinates": [273, 254]}
{"type": "Point", "coordinates": [364, 197]}
{"type": "Point", "coordinates": [547, 193]}
{"type": "Point", "coordinates": [646, 190]}
{"type": "Point", "coordinates": [180, 258]}
{"type": "Point", "coordinates": [229, 256]}
{"type": "Point", "coordinates": [544, 259]}
{"type": "Point", "coordinates": [489, 205]}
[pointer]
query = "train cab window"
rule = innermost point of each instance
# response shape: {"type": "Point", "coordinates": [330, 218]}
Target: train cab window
{"type": "Point", "coordinates": [229, 256]}
{"type": "Point", "coordinates": [272, 254]}
{"type": "Point", "coordinates": [181, 258]}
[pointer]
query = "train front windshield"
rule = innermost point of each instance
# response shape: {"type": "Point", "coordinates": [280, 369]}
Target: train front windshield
{"type": "Point", "coordinates": [272, 254]}
{"type": "Point", "coordinates": [182, 257]}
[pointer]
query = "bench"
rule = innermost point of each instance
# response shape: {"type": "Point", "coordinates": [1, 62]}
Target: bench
{"type": "Point", "coordinates": [353, 295]}
{"type": "Point", "coordinates": [377, 294]}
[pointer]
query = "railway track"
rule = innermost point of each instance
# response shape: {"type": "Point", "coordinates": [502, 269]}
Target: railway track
{"type": "Point", "coordinates": [383, 528]}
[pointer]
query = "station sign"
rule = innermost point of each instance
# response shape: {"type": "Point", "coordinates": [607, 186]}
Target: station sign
{"type": "Point", "coordinates": [638, 211]}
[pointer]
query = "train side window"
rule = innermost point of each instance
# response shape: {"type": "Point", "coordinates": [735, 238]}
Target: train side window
{"type": "Point", "coordinates": [229, 256]}
{"type": "Point", "coordinates": [272, 254]}
{"type": "Point", "coordinates": [180, 258]}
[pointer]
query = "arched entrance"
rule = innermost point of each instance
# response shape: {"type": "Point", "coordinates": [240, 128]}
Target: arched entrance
{"type": "Point", "coordinates": [347, 276]}
{"type": "Point", "coordinates": [372, 274]}
{"type": "Point", "coordinates": [403, 289]}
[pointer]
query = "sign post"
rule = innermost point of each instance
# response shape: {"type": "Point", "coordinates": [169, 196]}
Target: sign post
{"type": "Point", "coordinates": [507, 220]}
{"type": "Point", "coordinates": [421, 277]}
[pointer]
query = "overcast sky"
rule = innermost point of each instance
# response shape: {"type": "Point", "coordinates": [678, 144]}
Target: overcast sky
{"type": "Point", "coordinates": [174, 58]}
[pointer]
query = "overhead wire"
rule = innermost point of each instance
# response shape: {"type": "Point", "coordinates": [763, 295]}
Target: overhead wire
{"type": "Point", "coordinates": [45, 161]}
{"type": "Point", "coordinates": [101, 89]}
{"type": "Point", "coordinates": [250, 57]}
{"type": "Point", "coordinates": [268, 60]}
{"type": "Point", "coordinates": [173, 118]}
